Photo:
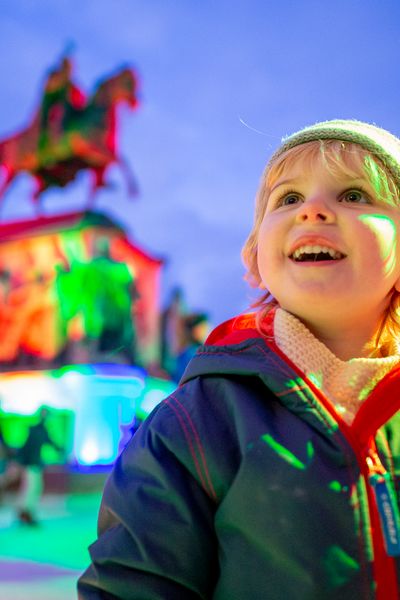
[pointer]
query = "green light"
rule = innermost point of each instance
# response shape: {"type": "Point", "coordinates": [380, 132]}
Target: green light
{"type": "Point", "coordinates": [286, 455]}
{"type": "Point", "coordinates": [90, 406]}
{"type": "Point", "coordinates": [310, 451]}
{"type": "Point", "coordinates": [384, 229]}
{"type": "Point", "coordinates": [316, 379]}
{"type": "Point", "coordinates": [339, 566]}
{"type": "Point", "coordinates": [298, 385]}
{"type": "Point", "coordinates": [379, 181]}
{"type": "Point", "coordinates": [335, 486]}
{"type": "Point", "coordinates": [154, 391]}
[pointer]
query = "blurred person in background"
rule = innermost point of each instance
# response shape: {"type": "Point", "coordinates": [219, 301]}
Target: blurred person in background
{"type": "Point", "coordinates": [195, 329]}
{"type": "Point", "coordinates": [5, 456]}
{"type": "Point", "coordinates": [29, 457]}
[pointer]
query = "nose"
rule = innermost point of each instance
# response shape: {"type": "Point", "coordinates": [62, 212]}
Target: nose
{"type": "Point", "coordinates": [315, 209]}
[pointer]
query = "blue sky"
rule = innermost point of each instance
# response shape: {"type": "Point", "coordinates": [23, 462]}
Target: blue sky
{"type": "Point", "coordinates": [221, 83]}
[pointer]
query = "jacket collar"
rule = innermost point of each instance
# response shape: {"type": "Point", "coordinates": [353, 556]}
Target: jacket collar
{"type": "Point", "coordinates": [239, 348]}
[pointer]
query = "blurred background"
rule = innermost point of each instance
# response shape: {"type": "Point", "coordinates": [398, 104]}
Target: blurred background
{"type": "Point", "coordinates": [105, 292]}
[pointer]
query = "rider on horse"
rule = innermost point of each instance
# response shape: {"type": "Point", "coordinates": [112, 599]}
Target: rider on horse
{"type": "Point", "coordinates": [61, 98]}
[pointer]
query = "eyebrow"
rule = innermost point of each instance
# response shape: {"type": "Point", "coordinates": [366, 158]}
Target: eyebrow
{"type": "Point", "coordinates": [283, 182]}
{"type": "Point", "coordinates": [351, 181]}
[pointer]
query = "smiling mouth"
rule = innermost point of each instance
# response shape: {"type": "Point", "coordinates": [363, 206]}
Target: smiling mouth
{"type": "Point", "coordinates": [316, 254]}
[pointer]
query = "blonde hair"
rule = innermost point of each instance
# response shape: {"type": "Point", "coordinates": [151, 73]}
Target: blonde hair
{"type": "Point", "coordinates": [338, 158]}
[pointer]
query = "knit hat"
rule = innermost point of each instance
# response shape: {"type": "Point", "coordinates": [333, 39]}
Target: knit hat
{"type": "Point", "coordinates": [376, 140]}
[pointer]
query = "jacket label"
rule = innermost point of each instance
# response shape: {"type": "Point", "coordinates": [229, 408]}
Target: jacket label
{"type": "Point", "coordinates": [389, 514]}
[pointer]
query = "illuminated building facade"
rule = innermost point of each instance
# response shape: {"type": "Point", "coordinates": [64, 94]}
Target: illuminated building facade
{"type": "Point", "coordinates": [79, 324]}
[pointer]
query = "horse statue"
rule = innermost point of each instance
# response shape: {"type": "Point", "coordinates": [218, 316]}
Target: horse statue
{"type": "Point", "coordinates": [69, 134]}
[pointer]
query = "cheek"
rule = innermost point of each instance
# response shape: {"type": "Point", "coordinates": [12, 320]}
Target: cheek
{"type": "Point", "coordinates": [267, 259]}
{"type": "Point", "coordinates": [263, 247]}
{"type": "Point", "coordinates": [382, 232]}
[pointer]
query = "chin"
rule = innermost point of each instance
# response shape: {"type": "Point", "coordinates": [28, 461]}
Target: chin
{"type": "Point", "coordinates": [313, 309]}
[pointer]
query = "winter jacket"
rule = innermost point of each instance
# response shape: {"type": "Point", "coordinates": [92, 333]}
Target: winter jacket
{"type": "Point", "coordinates": [246, 485]}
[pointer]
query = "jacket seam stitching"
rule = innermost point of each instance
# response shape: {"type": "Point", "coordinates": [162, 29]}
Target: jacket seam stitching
{"type": "Point", "coordinates": [199, 446]}
{"type": "Point", "coordinates": [203, 473]}
{"type": "Point", "coordinates": [188, 439]}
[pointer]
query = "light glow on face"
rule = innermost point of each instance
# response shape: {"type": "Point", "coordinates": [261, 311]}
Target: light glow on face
{"type": "Point", "coordinates": [384, 228]}
{"type": "Point", "coordinates": [327, 202]}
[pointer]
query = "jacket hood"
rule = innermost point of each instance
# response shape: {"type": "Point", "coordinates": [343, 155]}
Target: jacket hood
{"type": "Point", "coordinates": [239, 346]}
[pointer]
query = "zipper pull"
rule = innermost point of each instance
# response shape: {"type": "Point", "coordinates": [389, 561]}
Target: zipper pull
{"type": "Point", "coordinates": [386, 502]}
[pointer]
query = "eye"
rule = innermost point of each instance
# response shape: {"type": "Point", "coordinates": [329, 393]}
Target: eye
{"type": "Point", "coordinates": [358, 196]}
{"type": "Point", "coordinates": [288, 198]}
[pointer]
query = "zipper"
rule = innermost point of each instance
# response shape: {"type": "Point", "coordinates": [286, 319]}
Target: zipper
{"type": "Point", "coordinates": [380, 481]}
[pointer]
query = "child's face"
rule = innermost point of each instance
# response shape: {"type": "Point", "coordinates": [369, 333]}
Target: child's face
{"type": "Point", "coordinates": [310, 210]}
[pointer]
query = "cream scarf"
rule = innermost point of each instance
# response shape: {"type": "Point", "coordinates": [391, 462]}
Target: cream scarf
{"type": "Point", "coordinates": [345, 383]}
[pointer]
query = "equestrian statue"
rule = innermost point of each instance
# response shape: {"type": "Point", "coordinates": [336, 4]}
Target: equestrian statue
{"type": "Point", "coordinates": [70, 133]}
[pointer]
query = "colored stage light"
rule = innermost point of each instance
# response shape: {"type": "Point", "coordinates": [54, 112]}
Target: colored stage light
{"type": "Point", "coordinates": [93, 408]}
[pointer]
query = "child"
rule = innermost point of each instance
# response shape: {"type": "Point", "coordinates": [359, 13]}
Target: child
{"type": "Point", "coordinates": [272, 472]}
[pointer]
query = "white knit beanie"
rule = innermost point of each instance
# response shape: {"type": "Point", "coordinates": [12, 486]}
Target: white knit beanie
{"type": "Point", "coordinates": [376, 140]}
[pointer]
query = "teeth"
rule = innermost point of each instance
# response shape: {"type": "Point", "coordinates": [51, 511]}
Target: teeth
{"type": "Point", "coordinates": [316, 250]}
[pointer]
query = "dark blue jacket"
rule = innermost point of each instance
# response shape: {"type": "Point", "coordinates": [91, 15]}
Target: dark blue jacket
{"type": "Point", "coordinates": [245, 485]}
